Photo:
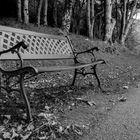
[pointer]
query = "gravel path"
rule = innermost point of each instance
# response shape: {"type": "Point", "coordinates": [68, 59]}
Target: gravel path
{"type": "Point", "coordinates": [123, 122]}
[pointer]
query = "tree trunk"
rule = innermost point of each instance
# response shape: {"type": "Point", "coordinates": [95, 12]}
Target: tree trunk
{"type": "Point", "coordinates": [66, 20]}
{"type": "Point", "coordinates": [73, 25]}
{"type": "Point", "coordinates": [78, 27]}
{"type": "Point", "coordinates": [90, 17]}
{"type": "Point", "coordinates": [19, 15]}
{"type": "Point", "coordinates": [45, 12]}
{"type": "Point", "coordinates": [26, 12]}
{"type": "Point", "coordinates": [123, 21]}
{"type": "Point", "coordinates": [39, 12]}
{"type": "Point", "coordinates": [109, 21]}
{"type": "Point", "coordinates": [55, 13]}
{"type": "Point", "coordinates": [128, 24]}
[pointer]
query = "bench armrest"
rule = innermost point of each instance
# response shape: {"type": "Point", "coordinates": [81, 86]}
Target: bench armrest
{"type": "Point", "coordinates": [91, 51]}
{"type": "Point", "coordinates": [88, 51]}
{"type": "Point", "coordinates": [15, 48]}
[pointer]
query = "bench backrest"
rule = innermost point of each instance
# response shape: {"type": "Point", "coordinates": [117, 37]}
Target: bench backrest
{"type": "Point", "coordinates": [41, 46]}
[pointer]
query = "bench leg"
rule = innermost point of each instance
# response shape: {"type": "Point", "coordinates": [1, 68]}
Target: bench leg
{"type": "Point", "coordinates": [94, 72]}
{"type": "Point", "coordinates": [74, 77]}
{"type": "Point", "coordinates": [23, 92]}
{"type": "Point", "coordinates": [0, 82]}
{"type": "Point", "coordinates": [96, 76]}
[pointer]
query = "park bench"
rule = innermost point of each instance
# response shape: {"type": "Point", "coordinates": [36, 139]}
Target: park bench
{"type": "Point", "coordinates": [18, 44]}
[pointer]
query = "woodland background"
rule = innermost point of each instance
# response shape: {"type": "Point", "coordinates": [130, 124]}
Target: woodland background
{"type": "Point", "coordinates": [108, 20]}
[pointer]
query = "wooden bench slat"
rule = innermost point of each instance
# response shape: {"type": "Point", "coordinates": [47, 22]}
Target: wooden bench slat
{"type": "Point", "coordinates": [69, 67]}
{"type": "Point", "coordinates": [37, 57]}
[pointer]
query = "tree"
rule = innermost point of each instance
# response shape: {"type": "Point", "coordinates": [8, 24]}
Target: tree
{"type": "Point", "coordinates": [19, 15]}
{"type": "Point", "coordinates": [66, 20]}
{"type": "Point", "coordinates": [45, 12]}
{"type": "Point", "coordinates": [127, 20]}
{"type": "Point", "coordinates": [55, 10]}
{"type": "Point", "coordinates": [26, 11]}
{"type": "Point", "coordinates": [90, 17]}
{"type": "Point", "coordinates": [43, 6]}
{"type": "Point", "coordinates": [109, 21]}
{"type": "Point", "coordinates": [39, 12]}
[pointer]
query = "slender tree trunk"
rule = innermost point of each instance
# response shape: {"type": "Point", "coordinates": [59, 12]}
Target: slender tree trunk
{"type": "Point", "coordinates": [19, 15]}
{"type": "Point", "coordinates": [55, 13]}
{"type": "Point", "coordinates": [90, 17]}
{"type": "Point", "coordinates": [123, 21]}
{"type": "Point", "coordinates": [127, 10]}
{"type": "Point", "coordinates": [100, 25]}
{"type": "Point", "coordinates": [109, 21]}
{"type": "Point", "coordinates": [45, 12]}
{"type": "Point", "coordinates": [39, 12]}
{"type": "Point", "coordinates": [74, 25]}
{"type": "Point", "coordinates": [108, 16]}
{"type": "Point", "coordinates": [26, 12]}
{"type": "Point", "coordinates": [127, 26]}
{"type": "Point", "coordinates": [78, 27]}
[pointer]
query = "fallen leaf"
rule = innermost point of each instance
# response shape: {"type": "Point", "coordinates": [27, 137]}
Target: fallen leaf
{"type": "Point", "coordinates": [122, 99]}
{"type": "Point", "coordinates": [25, 137]}
{"type": "Point", "coordinates": [108, 108]}
{"type": "Point", "coordinates": [77, 129]}
{"type": "Point", "coordinates": [19, 128]}
{"type": "Point", "coordinates": [6, 135]}
{"type": "Point", "coordinates": [2, 128]}
{"type": "Point", "coordinates": [69, 91]}
{"type": "Point", "coordinates": [14, 134]}
{"type": "Point", "coordinates": [90, 103]}
{"type": "Point", "coordinates": [125, 87]}
{"type": "Point", "coordinates": [30, 127]}
{"type": "Point", "coordinates": [60, 129]}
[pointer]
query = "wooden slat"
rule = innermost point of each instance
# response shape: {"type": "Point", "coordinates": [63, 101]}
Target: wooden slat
{"type": "Point", "coordinates": [35, 57]}
{"type": "Point", "coordinates": [70, 67]}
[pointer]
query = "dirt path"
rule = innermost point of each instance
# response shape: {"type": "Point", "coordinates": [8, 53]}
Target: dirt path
{"type": "Point", "coordinates": [123, 122]}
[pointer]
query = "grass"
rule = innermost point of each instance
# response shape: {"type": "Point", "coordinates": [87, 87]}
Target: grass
{"type": "Point", "coordinates": [64, 112]}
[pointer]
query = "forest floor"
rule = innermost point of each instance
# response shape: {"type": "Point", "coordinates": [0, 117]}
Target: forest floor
{"type": "Point", "coordinates": [83, 112]}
